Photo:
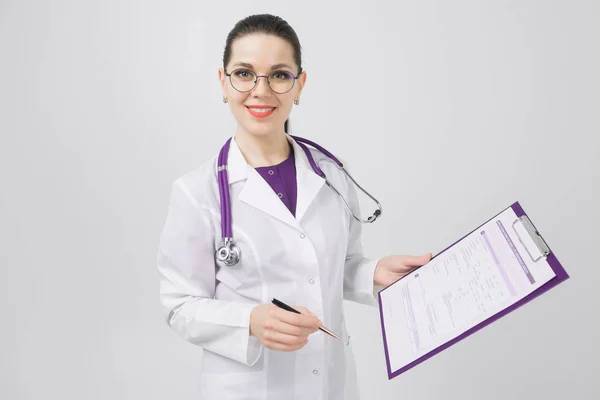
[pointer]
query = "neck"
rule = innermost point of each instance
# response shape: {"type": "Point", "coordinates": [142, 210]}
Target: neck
{"type": "Point", "coordinates": [262, 151]}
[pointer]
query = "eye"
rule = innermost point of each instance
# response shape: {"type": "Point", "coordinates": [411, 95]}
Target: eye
{"type": "Point", "coordinates": [281, 75]}
{"type": "Point", "coordinates": [243, 74]}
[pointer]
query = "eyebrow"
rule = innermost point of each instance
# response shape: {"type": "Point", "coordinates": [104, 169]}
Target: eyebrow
{"type": "Point", "coordinates": [273, 67]}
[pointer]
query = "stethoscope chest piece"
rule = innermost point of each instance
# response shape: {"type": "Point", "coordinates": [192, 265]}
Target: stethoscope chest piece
{"type": "Point", "coordinates": [228, 253]}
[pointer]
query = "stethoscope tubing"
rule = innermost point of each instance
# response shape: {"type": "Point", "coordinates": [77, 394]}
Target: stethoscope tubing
{"type": "Point", "coordinates": [228, 252]}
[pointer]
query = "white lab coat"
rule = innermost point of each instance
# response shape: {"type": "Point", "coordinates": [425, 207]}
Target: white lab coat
{"type": "Point", "coordinates": [313, 260]}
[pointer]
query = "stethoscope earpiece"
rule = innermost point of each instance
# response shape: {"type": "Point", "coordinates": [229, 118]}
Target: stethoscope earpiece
{"type": "Point", "coordinates": [375, 215]}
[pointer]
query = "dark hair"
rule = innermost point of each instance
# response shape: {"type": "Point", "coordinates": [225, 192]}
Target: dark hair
{"type": "Point", "coordinates": [270, 25]}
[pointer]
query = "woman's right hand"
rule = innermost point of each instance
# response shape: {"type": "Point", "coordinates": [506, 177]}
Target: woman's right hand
{"type": "Point", "coordinates": [282, 330]}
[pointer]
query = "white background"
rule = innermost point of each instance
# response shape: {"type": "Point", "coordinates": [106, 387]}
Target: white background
{"type": "Point", "coordinates": [446, 111]}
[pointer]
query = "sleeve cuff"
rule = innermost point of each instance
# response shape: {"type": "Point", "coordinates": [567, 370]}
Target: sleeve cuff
{"type": "Point", "coordinates": [365, 291]}
{"type": "Point", "coordinates": [253, 350]}
{"type": "Point", "coordinates": [251, 346]}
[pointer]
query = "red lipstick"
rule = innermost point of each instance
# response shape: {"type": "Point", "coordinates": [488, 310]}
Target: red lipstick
{"type": "Point", "coordinates": [260, 111]}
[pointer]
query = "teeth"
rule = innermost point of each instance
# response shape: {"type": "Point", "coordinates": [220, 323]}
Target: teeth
{"type": "Point", "coordinates": [261, 110]}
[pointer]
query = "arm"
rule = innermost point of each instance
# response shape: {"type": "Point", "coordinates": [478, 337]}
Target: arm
{"type": "Point", "coordinates": [359, 271]}
{"type": "Point", "coordinates": [364, 277]}
{"type": "Point", "coordinates": [187, 284]}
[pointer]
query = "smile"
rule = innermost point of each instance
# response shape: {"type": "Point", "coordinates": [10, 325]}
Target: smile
{"type": "Point", "coordinates": [261, 111]}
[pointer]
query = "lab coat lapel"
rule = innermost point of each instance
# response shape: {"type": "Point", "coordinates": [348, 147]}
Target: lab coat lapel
{"type": "Point", "coordinates": [308, 182]}
{"type": "Point", "coordinates": [258, 194]}
{"type": "Point", "coordinates": [256, 191]}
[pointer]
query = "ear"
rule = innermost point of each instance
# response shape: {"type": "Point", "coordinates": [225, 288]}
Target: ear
{"type": "Point", "coordinates": [301, 83]}
{"type": "Point", "coordinates": [222, 77]}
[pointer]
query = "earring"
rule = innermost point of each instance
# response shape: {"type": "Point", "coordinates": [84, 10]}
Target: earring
{"type": "Point", "coordinates": [225, 100]}
{"type": "Point", "coordinates": [296, 102]}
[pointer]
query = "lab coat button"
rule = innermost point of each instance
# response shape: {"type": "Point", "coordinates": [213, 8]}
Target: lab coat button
{"type": "Point", "coordinates": [316, 371]}
{"type": "Point", "coordinates": [311, 281]}
{"type": "Point", "coordinates": [302, 236]}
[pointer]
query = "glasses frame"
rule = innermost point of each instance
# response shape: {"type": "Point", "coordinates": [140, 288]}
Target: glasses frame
{"type": "Point", "coordinates": [257, 77]}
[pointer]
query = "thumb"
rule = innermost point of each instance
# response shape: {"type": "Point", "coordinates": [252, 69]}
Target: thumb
{"type": "Point", "coordinates": [305, 311]}
{"type": "Point", "coordinates": [418, 260]}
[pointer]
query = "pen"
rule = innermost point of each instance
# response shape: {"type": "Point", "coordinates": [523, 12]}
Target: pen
{"type": "Point", "coordinates": [288, 308]}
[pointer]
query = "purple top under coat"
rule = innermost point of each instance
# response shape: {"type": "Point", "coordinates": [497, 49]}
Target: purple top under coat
{"type": "Point", "coordinates": [282, 179]}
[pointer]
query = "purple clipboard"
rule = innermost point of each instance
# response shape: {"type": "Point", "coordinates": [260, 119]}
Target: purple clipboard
{"type": "Point", "coordinates": [560, 276]}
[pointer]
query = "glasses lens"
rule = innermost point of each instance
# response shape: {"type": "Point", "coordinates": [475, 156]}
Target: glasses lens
{"type": "Point", "coordinates": [243, 80]}
{"type": "Point", "coordinates": [281, 81]}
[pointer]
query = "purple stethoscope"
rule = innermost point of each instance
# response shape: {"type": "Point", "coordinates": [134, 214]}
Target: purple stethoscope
{"type": "Point", "coordinates": [228, 253]}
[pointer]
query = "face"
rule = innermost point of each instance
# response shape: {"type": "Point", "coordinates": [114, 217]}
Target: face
{"type": "Point", "coordinates": [261, 111]}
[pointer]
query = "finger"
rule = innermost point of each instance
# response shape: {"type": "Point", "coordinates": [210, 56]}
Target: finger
{"type": "Point", "coordinates": [283, 338]}
{"type": "Point", "coordinates": [305, 311]}
{"type": "Point", "coordinates": [283, 347]}
{"type": "Point", "coordinates": [416, 261]}
{"type": "Point", "coordinates": [301, 320]}
{"type": "Point", "coordinates": [283, 327]}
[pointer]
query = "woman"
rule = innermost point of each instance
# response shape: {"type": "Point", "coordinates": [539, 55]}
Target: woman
{"type": "Point", "coordinates": [298, 243]}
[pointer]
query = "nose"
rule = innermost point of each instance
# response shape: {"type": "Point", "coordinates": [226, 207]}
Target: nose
{"type": "Point", "coordinates": [262, 87]}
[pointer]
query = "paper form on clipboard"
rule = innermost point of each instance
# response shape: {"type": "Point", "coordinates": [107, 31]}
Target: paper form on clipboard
{"type": "Point", "coordinates": [494, 269]}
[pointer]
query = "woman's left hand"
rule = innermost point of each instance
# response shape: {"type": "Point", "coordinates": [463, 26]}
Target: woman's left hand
{"type": "Point", "coordinates": [391, 268]}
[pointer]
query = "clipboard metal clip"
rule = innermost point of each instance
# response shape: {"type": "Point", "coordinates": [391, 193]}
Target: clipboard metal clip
{"type": "Point", "coordinates": [530, 238]}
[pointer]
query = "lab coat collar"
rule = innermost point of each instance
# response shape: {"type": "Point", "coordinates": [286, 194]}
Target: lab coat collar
{"type": "Point", "coordinates": [237, 167]}
{"type": "Point", "coordinates": [258, 193]}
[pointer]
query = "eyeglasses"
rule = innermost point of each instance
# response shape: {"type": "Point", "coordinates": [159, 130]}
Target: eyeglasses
{"type": "Point", "coordinates": [244, 80]}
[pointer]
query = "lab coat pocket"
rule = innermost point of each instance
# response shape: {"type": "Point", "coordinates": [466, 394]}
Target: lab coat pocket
{"type": "Point", "coordinates": [233, 386]}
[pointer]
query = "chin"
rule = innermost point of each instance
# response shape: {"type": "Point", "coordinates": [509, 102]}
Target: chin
{"type": "Point", "coordinates": [262, 129]}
